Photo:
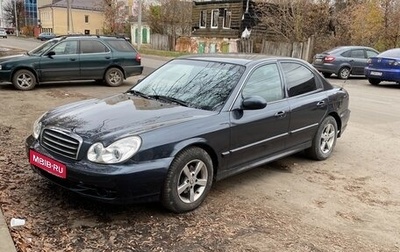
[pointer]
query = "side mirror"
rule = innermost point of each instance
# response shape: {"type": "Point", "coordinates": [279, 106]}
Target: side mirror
{"type": "Point", "coordinates": [51, 53]}
{"type": "Point", "coordinates": [254, 102]}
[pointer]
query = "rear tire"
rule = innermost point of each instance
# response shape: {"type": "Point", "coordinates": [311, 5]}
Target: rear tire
{"type": "Point", "coordinates": [24, 80]}
{"type": "Point", "coordinates": [324, 140]}
{"type": "Point", "coordinates": [374, 81]}
{"type": "Point", "coordinates": [114, 77]}
{"type": "Point", "coordinates": [344, 73]}
{"type": "Point", "coordinates": [188, 180]}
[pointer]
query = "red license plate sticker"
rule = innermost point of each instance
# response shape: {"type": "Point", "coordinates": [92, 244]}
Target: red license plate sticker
{"type": "Point", "coordinates": [45, 163]}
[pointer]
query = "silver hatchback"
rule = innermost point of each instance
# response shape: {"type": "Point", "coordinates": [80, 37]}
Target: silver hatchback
{"type": "Point", "coordinates": [344, 61]}
{"type": "Point", "coordinates": [3, 33]}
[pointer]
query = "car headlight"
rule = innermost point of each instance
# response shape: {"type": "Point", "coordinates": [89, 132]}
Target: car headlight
{"type": "Point", "coordinates": [37, 127]}
{"type": "Point", "coordinates": [117, 152]}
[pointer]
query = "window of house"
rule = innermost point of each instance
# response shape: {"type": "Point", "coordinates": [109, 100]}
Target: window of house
{"type": "Point", "coordinates": [214, 18]}
{"type": "Point", "coordinates": [86, 19]}
{"type": "Point", "coordinates": [203, 19]}
{"type": "Point", "coordinates": [227, 19]}
{"type": "Point", "coordinates": [299, 79]}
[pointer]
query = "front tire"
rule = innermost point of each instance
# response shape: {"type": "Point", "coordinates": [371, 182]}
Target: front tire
{"type": "Point", "coordinates": [374, 81]}
{"type": "Point", "coordinates": [344, 73]}
{"type": "Point", "coordinates": [324, 140]}
{"type": "Point", "coordinates": [114, 77]}
{"type": "Point", "coordinates": [24, 80]}
{"type": "Point", "coordinates": [188, 180]}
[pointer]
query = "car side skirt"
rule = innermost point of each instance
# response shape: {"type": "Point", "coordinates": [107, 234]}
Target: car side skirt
{"type": "Point", "coordinates": [235, 170]}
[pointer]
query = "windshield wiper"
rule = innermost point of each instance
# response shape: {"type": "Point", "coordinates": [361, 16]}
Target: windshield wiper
{"type": "Point", "coordinates": [170, 99]}
{"type": "Point", "coordinates": [138, 93]}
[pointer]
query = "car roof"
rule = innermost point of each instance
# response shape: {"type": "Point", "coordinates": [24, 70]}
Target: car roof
{"type": "Point", "coordinates": [343, 48]}
{"type": "Point", "coordinates": [234, 58]}
{"type": "Point", "coordinates": [80, 36]}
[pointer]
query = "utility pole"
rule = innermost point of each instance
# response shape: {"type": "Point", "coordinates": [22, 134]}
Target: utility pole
{"type": "Point", "coordinates": [139, 41]}
{"type": "Point", "coordinates": [16, 18]}
{"type": "Point", "coordinates": [68, 16]}
{"type": "Point", "coordinates": [1, 13]}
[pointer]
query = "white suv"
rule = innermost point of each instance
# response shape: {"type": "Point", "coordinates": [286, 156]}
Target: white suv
{"type": "Point", "coordinates": [3, 33]}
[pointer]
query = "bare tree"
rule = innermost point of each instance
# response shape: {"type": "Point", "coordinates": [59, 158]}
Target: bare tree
{"type": "Point", "coordinates": [391, 22]}
{"type": "Point", "coordinates": [116, 17]}
{"type": "Point", "coordinates": [294, 20]}
{"type": "Point", "coordinates": [171, 17]}
{"type": "Point", "coordinates": [9, 12]}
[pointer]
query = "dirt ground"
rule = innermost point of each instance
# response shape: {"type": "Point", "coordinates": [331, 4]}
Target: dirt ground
{"type": "Point", "coordinates": [349, 202]}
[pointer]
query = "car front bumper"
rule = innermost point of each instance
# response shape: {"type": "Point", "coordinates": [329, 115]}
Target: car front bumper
{"type": "Point", "coordinates": [117, 184]}
{"type": "Point", "coordinates": [5, 75]}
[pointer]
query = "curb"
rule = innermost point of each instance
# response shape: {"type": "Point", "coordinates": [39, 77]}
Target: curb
{"type": "Point", "coordinates": [6, 242]}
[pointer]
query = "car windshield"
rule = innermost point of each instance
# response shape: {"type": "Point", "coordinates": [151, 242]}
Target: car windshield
{"type": "Point", "coordinates": [194, 83]}
{"type": "Point", "coordinates": [393, 53]}
{"type": "Point", "coordinates": [43, 47]}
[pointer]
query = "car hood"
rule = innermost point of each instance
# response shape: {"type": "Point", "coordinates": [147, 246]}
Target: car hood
{"type": "Point", "coordinates": [14, 57]}
{"type": "Point", "coordinates": [122, 114]}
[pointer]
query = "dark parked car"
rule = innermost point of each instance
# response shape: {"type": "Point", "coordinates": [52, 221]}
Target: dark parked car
{"type": "Point", "coordinates": [384, 67]}
{"type": "Point", "coordinates": [344, 61]}
{"type": "Point", "coordinates": [100, 58]}
{"type": "Point", "coordinates": [46, 36]}
{"type": "Point", "coordinates": [194, 120]}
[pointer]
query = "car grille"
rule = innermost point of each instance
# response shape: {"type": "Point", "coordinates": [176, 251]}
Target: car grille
{"type": "Point", "coordinates": [61, 142]}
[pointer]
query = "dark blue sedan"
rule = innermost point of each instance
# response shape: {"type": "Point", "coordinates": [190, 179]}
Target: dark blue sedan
{"type": "Point", "coordinates": [384, 67]}
{"type": "Point", "coordinates": [195, 120]}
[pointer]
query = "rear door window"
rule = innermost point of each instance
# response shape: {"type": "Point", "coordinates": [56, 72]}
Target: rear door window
{"type": "Point", "coordinates": [93, 46]}
{"type": "Point", "coordinates": [299, 79]}
{"type": "Point", "coordinates": [358, 53]}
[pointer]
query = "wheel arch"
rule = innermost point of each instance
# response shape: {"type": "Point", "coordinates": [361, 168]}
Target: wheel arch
{"type": "Point", "coordinates": [345, 64]}
{"type": "Point", "coordinates": [115, 66]}
{"type": "Point", "coordinates": [200, 143]}
{"type": "Point", "coordinates": [338, 122]}
{"type": "Point", "coordinates": [25, 68]}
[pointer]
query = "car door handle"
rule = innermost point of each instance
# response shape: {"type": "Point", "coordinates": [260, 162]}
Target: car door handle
{"type": "Point", "coordinates": [280, 114]}
{"type": "Point", "coordinates": [321, 104]}
{"type": "Point", "coordinates": [72, 59]}
{"type": "Point", "coordinates": [108, 57]}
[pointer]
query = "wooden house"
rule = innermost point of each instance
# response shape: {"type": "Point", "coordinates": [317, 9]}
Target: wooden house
{"type": "Point", "coordinates": [223, 18]}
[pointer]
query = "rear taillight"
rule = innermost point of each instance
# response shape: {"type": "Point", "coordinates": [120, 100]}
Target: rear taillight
{"type": "Point", "coordinates": [138, 58]}
{"type": "Point", "coordinates": [328, 59]}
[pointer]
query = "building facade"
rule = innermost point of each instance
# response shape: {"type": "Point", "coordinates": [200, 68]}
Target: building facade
{"type": "Point", "coordinates": [80, 17]}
